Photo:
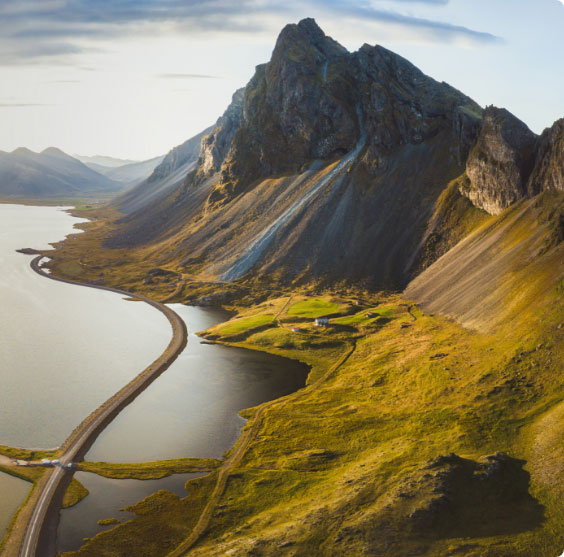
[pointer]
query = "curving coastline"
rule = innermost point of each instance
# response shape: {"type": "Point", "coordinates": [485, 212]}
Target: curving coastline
{"type": "Point", "coordinates": [48, 492]}
{"type": "Point", "coordinates": [241, 447]}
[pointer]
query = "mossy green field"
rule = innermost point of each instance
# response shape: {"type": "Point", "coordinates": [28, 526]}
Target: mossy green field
{"type": "Point", "coordinates": [349, 458]}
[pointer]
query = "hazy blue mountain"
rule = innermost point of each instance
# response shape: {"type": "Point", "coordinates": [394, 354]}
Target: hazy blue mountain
{"type": "Point", "coordinates": [51, 173]}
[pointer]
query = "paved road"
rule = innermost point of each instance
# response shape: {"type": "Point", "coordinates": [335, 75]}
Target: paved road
{"type": "Point", "coordinates": [90, 428]}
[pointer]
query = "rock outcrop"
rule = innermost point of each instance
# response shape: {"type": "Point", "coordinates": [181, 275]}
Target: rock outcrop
{"type": "Point", "coordinates": [215, 146]}
{"type": "Point", "coordinates": [468, 497]}
{"type": "Point", "coordinates": [181, 155]}
{"type": "Point", "coordinates": [500, 163]}
{"type": "Point", "coordinates": [548, 173]}
{"type": "Point", "coordinates": [315, 101]}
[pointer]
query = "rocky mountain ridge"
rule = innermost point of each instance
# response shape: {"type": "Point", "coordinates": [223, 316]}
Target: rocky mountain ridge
{"type": "Point", "coordinates": [337, 166]}
{"type": "Point", "coordinates": [168, 174]}
{"type": "Point", "coordinates": [309, 102]}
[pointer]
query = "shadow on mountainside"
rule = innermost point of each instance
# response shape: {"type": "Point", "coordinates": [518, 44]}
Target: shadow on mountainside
{"type": "Point", "coordinates": [477, 498]}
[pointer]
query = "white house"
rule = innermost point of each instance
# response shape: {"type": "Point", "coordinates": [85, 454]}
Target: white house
{"type": "Point", "coordinates": [322, 322]}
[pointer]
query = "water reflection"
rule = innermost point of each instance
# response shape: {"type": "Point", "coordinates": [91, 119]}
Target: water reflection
{"type": "Point", "coordinates": [192, 410]}
{"type": "Point", "coordinates": [107, 498]}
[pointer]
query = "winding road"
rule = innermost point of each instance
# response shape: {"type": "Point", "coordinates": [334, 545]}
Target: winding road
{"type": "Point", "coordinates": [83, 435]}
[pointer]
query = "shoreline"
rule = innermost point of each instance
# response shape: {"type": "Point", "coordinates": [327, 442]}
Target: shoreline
{"type": "Point", "coordinates": [47, 494]}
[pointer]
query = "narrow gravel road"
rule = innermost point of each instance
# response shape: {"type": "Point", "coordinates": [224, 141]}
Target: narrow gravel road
{"type": "Point", "coordinates": [83, 436]}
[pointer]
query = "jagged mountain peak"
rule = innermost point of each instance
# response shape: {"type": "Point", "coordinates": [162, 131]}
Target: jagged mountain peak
{"type": "Point", "coordinates": [305, 42]}
{"type": "Point", "coordinates": [512, 129]}
{"type": "Point", "coordinates": [307, 102]}
{"type": "Point", "coordinates": [340, 164]}
{"type": "Point", "coordinates": [327, 146]}
{"type": "Point", "coordinates": [500, 162]}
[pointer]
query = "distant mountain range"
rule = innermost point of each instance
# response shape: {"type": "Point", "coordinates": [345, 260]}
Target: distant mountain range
{"type": "Point", "coordinates": [52, 173]}
{"type": "Point", "coordinates": [104, 161]}
{"type": "Point", "coordinates": [125, 171]}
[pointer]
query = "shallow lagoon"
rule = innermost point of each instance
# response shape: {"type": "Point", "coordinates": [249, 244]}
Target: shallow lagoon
{"type": "Point", "coordinates": [192, 409]}
{"type": "Point", "coordinates": [66, 349]}
{"type": "Point", "coordinates": [63, 349]}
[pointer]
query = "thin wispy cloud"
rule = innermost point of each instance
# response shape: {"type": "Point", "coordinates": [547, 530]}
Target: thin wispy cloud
{"type": "Point", "coordinates": [21, 105]}
{"type": "Point", "coordinates": [187, 76]}
{"type": "Point", "coordinates": [440, 31]}
{"type": "Point", "coordinates": [52, 30]}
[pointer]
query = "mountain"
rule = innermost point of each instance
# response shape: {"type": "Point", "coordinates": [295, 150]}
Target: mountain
{"type": "Point", "coordinates": [103, 161]}
{"type": "Point", "coordinates": [51, 173]}
{"type": "Point", "coordinates": [129, 173]}
{"type": "Point", "coordinates": [337, 166]}
{"type": "Point", "coordinates": [329, 165]}
{"type": "Point", "coordinates": [433, 415]}
{"type": "Point", "coordinates": [166, 176]}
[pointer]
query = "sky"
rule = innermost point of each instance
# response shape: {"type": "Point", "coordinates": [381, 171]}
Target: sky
{"type": "Point", "coordinates": [134, 78]}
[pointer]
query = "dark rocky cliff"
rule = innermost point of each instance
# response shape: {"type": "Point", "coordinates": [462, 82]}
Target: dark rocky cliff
{"type": "Point", "coordinates": [337, 166]}
{"type": "Point", "coordinates": [500, 162]}
{"type": "Point", "coordinates": [314, 100]}
{"type": "Point", "coordinates": [548, 173]}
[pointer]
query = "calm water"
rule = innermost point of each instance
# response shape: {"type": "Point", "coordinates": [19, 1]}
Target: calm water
{"type": "Point", "coordinates": [107, 498]}
{"type": "Point", "coordinates": [192, 409]}
{"type": "Point", "coordinates": [63, 349]}
{"type": "Point", "coordinates": [13, 491]}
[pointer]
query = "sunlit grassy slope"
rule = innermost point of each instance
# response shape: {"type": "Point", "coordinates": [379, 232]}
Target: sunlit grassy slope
{"type": "Point", "coordinates": [396, 452]}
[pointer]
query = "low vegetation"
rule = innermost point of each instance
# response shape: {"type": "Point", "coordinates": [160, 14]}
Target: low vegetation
{"type": "Point", "coordinates": [75, 493]}
{"type": "Point", "coordinates": [246, 325]}
{"type": "Point", "coordinates": [162, 521]}
{"type": "Point", "coordinates": [108, 522]}
{"type": "Point", "coordinates": [29, 474]}
{"type": "Point", "coordinates": [27, 454]}
{"type": "Point", "coordinates": [149, 470]}
{"type": "Point", "coordinates": [314, 307]}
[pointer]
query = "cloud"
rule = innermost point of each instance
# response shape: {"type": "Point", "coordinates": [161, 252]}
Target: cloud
{"type": "Point", "coordinates": [56, 30]}
{"type": "Point", "coordinates": [429, 29]}
{"type": "Point", "coordinates": [432, 2]}
{"type": "Point", "coordinates": [21, 105]}
{"type": "Point", "coordinates": [187, 76]}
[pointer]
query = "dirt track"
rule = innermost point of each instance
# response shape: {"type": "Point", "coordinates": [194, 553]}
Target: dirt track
{"type": "Point", "coordinates": [239, 452]}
